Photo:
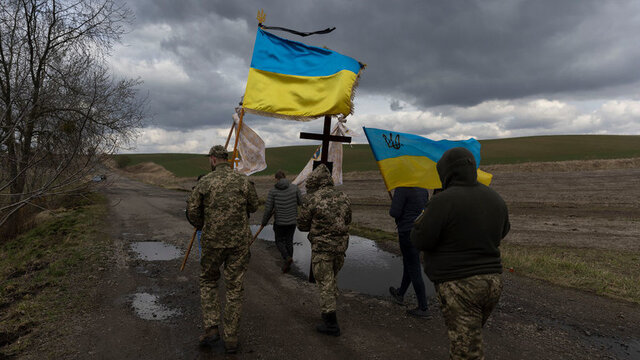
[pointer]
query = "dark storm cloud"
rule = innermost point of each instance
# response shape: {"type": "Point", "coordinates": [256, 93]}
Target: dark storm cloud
{"type": "Point", "coordinates": [428, 53]}
{"type": "Point", "coordinates": [395, 105]}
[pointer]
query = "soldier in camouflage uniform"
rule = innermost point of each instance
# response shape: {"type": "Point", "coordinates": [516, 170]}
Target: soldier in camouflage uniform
{"type": "Point", "coordinates": [460, 231]}
{"type": "Point", "coordinates": [326, 215]}
{"type": "Point", "coordinates": [220, 205]}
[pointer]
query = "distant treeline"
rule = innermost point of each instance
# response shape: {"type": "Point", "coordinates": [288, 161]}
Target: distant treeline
{"type": "Point", "coordinates": [359, 157]}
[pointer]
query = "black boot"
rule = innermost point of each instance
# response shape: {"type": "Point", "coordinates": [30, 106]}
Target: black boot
{"type": "Point", "coordinates": [329, 325]}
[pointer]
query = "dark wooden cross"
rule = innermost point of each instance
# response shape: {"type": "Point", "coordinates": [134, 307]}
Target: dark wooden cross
{"type": "Point", "coordinates": [325, 137]}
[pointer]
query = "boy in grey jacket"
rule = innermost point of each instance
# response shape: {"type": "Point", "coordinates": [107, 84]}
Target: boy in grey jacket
{"type": "Point", "coordinates": [283, 201]}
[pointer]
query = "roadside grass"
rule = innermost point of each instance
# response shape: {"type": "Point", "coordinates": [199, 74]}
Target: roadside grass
{"type": "Point", "coordinates": [45, 273]}
{"type": "Point", "coordinates": [611, 273]}
{"type": "Point", "coordinates": [358, 157]}
{"type": "Point", "coordinates": [371, 233]}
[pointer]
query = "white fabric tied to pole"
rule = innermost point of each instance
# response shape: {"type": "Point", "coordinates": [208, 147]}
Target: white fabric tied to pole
{"type": "Point", "coordinates": [250, 148]}
{"type": "Point", "coordinates": [335, 156]}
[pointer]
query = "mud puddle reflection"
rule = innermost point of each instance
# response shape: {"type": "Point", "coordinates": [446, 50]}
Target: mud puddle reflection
{"type": "Point", "coordinates": [367, 269]}
{"type": "Point", "coordinates": [155, 251]}
{"type": "Point", "coordinates": [147, 307]}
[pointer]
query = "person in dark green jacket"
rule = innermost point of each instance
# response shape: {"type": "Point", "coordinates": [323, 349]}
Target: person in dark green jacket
{"type": "Point", "coordinates": [460, 233]}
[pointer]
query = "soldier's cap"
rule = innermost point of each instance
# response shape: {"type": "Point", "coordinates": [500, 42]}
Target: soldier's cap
{"type": "Point", "coordinates": [218, 151]}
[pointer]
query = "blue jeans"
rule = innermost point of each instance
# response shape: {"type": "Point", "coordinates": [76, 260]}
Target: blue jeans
{"type": "Point", "coordinates": [411, 269]}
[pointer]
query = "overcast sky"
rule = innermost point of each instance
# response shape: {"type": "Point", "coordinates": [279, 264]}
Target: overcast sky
{"type": "Point", "coordinates": [442, 69]}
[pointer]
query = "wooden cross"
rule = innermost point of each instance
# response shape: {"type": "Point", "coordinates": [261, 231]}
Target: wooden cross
{"type": "Point", "coordinates": [325, 137]}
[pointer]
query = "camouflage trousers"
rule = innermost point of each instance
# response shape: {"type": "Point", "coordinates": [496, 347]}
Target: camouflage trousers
{"type": "Point", "coordinates": [235, 262]}
{"type": "Point", "coordinates": [326, 266]}
{"type": "Point", "coordinates": [466, 305]}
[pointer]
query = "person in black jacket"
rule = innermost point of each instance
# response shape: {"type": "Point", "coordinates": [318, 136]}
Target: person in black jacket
{"type": "Point", "coordinates": [460, 232]}
{"type": "Point", "coordinates": [407, 203]}
{"type": "Point", "coordinates": [283, 201]}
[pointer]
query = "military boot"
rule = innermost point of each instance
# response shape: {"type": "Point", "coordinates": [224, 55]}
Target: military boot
{"type": "Point", "coordinates": [231, 347]}
{"type": "Point", "coordinates": [211, 335]}
{"type": "Point", "coordinates": [329, 324]}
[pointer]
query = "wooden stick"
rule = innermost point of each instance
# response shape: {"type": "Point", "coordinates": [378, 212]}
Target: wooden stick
{"type": "Point", "coordinates": [186, 256]}
{"type": "Point", "coordinates": [229, 136]}
{"type": "Point", "coordinates": [390, 196]}
{"type": "Point", "coordinates": [235, 146]}
{"type": "Point", "coordinates": [312, 279]}
{"type": "Point", "coordinates": [256, 235]}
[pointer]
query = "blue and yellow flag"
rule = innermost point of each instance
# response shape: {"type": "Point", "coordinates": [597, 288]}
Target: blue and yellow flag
{"type": "Point", "coordinates": [289, 79]}
{"type": "Point", "coordinates": [410, 160]}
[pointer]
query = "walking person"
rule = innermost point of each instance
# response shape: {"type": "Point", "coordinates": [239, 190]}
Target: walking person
{"type": "Point", "coordinates": [282, 202]}
{"type": "Point", "coordinates": [407, 203]}
{"type": "Point", "coordinates": [220, 205]}
{"type": "Point", "coordinates": [326, 215]}
{"type": "Point", "coordinates": [460, 233]}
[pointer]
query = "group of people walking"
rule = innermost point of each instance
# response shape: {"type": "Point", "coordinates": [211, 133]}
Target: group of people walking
{"type": "Point", "coordinates": [459, 231]}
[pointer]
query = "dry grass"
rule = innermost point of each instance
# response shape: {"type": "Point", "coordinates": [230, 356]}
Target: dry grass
{"type": "Point", "coordinates": [565, 166]}
{"type": "Point", "coordinates": [42, 273]}
{"type": "Point", "coordinates": [611, 273]}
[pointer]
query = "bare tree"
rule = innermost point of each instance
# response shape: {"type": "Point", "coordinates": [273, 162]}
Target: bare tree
{"type": "Point", "coordinates": [60, 109]}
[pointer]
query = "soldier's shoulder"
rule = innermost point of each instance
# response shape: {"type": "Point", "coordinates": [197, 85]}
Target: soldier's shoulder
{"type": "Point", "coordinates": [206, 176]}
{"type": "Point", "coordinates": [342, 196]}
{"type": "Point", "coordinates": [211, 176]}
{"type": "Point", "coordinates": [236, 176]}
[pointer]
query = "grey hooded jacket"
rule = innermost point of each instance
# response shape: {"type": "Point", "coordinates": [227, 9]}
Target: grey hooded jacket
{"type": "Point", "coordinates": [283, 201]}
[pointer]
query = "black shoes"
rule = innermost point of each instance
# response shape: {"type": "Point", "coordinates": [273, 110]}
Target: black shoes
{"type": "Point", "coordinates": [419, 313]}
{"type": "Point", "coordinates": [211, 335]}
{"type": "Point", "coordinates": [395, 296]}
{"type": "Point", "coordinates": [329, 325]}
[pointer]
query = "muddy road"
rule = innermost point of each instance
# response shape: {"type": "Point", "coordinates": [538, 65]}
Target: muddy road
{"type": "Point", "coordinates": [147, 309]}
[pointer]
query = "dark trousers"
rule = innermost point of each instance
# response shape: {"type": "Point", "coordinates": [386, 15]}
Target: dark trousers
{"type": "Point", "coordinates": [411, 270]}
{"type": "Point", "coordinates": [284, 239]}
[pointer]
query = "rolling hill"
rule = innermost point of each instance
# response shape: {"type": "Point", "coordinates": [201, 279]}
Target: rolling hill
{"type": "Point", "coordinates": [358, 157]}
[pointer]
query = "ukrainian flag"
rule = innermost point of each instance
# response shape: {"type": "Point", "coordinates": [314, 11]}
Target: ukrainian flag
{"type": "Point", "coordinates": [292, 80]}
{"type": "Point", "coordinates": [410, 160]}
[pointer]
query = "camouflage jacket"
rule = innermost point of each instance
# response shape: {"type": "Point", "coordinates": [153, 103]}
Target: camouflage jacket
{"type": "Point", "coordinates": [220, 205]}
{"type": "Point", "coordinates": [325, 213]}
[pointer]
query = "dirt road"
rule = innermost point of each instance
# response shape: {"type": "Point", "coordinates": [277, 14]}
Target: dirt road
{"type": "Point", "coordinates": [533, 320]}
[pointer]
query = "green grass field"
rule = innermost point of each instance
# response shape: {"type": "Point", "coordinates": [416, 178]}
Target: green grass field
{"type": "Point", "coordinates": [359, 157]}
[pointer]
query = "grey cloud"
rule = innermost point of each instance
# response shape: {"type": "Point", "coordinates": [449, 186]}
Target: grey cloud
{"type": "Point", "coordinates": [395, 105]}
{"type": "Point", "coordinates": [429, 53]}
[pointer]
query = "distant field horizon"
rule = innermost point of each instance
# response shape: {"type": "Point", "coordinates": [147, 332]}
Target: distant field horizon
{"type": "Point", "coordinates": [358, 157]}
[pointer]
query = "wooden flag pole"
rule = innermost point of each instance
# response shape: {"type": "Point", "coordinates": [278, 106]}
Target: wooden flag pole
{"type": "Point", "coordinates": [235, 146]}
{"type": "Point", "coordinates": [256, 235]}
{"type": "Point", "coordinates": [186, 256]}
{"type": "Point", "coordinates": [226, 144]}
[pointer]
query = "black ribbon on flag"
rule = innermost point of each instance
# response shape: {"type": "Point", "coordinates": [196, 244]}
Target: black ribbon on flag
{"type": "Point", "coordinates": [300, 33]}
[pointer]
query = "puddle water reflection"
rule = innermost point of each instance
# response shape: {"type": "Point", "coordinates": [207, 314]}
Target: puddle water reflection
{"type": "Point", "coordinates": [155, 251]}
{"type": "Point", "coordinates": [367, 269]}
{"type": "Point", "coordinates": [147, 307]}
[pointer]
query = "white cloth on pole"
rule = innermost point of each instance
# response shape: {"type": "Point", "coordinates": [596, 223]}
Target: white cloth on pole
{"type": "Point", "coordinates": [251, 149]}
{"type": "Point", "coordinates": [335, 156]}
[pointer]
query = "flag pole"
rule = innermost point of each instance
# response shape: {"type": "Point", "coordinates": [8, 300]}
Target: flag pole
{"type": "Point", "coordinates": [226, 144]}
{"type": "Point", "coordinates": [186, 256]}
{"type": "Point", "coordinates": [235, 146]}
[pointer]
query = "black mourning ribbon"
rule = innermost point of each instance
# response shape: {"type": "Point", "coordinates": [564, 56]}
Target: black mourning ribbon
{"type": "Point", "coordinates": [325, 31]}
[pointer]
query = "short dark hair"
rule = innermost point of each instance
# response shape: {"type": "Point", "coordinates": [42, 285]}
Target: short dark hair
{"type": "Point", "coordinates": [280, 174]}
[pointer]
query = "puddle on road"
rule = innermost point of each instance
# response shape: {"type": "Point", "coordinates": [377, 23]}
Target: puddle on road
{"type": "Point", "coordinates": [146, 306]}
{"type": "Point", "coordinates": [155, 251]}
{"type": "Point", "coordinates": [623, 349]}
{"type": "Point", "coordinates": [367, 269]}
